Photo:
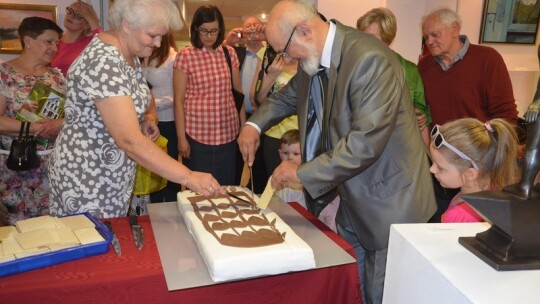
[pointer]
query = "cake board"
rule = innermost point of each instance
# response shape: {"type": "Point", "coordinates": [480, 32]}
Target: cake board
{"type": "Point", "coordinates": [184, 267]}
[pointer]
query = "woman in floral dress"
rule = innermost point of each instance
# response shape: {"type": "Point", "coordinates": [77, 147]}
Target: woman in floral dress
{"type": "Point", "coordinates": [26, 193]}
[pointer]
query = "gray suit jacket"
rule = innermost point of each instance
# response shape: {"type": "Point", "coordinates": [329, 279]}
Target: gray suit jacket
{"type": "Point", "coordinates": [374, 152]}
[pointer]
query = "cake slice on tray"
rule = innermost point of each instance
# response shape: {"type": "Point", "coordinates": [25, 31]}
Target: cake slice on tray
{"type": "Point", "coordinates": [237, 240]}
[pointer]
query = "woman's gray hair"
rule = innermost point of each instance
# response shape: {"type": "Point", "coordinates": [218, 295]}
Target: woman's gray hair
{"type": "Point", "coordinates": [143, 13]}
{"type": "Point", "coordinates": [445, 15]}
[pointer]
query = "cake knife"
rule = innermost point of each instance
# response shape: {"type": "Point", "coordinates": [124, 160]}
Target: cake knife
{"type": "Point", "coordinates": [251, 178]}
{"type": "Point", "coordinates": [115, 243]}
{"type": "Point", "coordinates": [137, 231]}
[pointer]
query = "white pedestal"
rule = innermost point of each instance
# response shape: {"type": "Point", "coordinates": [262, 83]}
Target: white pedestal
{"type": "Point", "coordinates": [426, 264]}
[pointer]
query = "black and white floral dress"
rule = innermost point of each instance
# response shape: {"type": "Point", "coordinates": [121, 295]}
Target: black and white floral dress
{"type": "Point", "coordinates": [88, 172]}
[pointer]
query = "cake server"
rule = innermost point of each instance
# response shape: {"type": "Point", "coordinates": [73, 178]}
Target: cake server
{"type": "Point", "coordinates": [239, 198]}
{"type": "Point", "coordinates": [115, 243]}
{"type": "Point", "coordinates": [137, 231]}
{"type": "Point", "coordinates": [253, 204]}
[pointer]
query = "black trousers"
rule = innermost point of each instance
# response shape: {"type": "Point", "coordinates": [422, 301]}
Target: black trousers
{"type": "Point", "coordinates": [168, 194]}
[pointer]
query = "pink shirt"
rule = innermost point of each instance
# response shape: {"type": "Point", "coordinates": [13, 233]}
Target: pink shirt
{"type": "Point", "coordinates": [209, 110]}
{"type": "Point", "coordinates": [68, 52]}
{"type": "Point", "coordinates": [460, 212]}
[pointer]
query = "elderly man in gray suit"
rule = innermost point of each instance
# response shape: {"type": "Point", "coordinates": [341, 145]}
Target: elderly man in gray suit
{"type": "Point", "coordinates": [365, 142]}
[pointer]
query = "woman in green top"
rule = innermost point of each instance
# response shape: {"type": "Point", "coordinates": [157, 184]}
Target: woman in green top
{"type": "Point", "coordinates": [381, 23]}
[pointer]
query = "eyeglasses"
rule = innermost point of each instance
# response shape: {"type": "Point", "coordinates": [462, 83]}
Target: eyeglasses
{"type": "Point", "coordinates": [438, 141]}
{"type": "Point", "coordinates": [205, 32]}
{"type": "Point", "coordinates": [283, 53]}
{"type": "Point", "coordinates": [74, 14]}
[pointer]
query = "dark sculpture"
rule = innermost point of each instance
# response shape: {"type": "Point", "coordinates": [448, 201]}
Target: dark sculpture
{"type": "Point", "coordinates": [513, 241]}
{"type": "Point", "coordinates": [531, 161]}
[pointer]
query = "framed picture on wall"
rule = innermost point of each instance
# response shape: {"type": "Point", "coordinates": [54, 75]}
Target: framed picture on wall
{"type": "Point", "coordinates": [510, 21]}
{"type": "Point", "coordinates": [11, 16]}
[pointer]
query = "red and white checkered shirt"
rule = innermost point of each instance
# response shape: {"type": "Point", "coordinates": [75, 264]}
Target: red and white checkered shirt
{"type": "Point", "coordinates": [210, 113]}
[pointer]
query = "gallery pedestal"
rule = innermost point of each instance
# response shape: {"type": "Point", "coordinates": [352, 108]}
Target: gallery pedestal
{"type": "Point", "coordinates": [426, 264]}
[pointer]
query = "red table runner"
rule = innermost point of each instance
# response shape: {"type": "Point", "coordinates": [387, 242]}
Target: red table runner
{"type": "Point", "coordinates": [137, 277]}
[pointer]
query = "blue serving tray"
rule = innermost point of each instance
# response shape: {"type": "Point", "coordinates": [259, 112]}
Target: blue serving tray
{"type": "Point", "coordinates": [60, 256]}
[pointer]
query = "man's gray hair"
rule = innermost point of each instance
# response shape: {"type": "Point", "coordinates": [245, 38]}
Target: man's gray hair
{"type": "Point", "coordinates": [445, 15]}
{"type": "Point", "coordinates": [143, 13]}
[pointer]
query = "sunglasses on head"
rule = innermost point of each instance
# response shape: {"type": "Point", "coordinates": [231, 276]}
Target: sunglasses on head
{"type": "Point", "coordinates": [74, 14]}
{"type": "Point", "coordinates": [438, 141]}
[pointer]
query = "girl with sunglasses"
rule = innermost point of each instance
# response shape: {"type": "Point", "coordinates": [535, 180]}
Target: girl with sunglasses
{"type": "Point", "coordinates": [472, 156]}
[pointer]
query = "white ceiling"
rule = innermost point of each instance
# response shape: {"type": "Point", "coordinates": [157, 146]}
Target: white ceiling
{"type": "Point", "coordinates": [234, 11]}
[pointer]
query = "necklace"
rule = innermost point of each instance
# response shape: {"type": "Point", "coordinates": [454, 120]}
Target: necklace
{"type": "Point", "coordinates": [130, 60]}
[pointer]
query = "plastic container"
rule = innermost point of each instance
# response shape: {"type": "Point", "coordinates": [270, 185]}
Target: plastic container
{"type": "Point", "coordinates": [60, 256]}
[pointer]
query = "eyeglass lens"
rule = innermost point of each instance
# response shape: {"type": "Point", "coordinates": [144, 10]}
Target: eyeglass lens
{"type": "Point", "coordinates": [206, 32]}
{"type": "Point", "coordinates": [73, 13]}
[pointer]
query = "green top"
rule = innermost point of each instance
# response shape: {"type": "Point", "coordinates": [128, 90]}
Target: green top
{"type": "Point", "coordinates": [416, 87]}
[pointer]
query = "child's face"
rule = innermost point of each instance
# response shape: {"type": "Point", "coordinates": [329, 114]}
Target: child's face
{"type": "Point", "coordinates": [290, 153]}
{"type": "Point", "coordinates": [446, 173]}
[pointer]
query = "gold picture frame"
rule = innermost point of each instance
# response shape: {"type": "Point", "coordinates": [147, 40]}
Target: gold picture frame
{"type": "Point", "coordinates": [12, 14]}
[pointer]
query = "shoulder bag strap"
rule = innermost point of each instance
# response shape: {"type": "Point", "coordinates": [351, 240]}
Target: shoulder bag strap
{"type": "Point", "coordinates": [27, 129]}
{"type": "Point", "coordinates": [226, 51]}
{"type": "Point", "coordinates": [21, 131]}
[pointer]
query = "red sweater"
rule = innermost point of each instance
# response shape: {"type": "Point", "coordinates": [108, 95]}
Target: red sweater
{"type": "Point", "coordinates": [476, 86]}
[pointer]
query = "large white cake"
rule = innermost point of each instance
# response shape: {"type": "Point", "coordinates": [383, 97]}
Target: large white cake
{"type": "Point", "coordinates": [238, 241]}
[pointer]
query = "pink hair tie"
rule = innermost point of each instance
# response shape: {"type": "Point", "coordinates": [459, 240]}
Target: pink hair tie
{"type": "Point", "coordinates": [489, 127]}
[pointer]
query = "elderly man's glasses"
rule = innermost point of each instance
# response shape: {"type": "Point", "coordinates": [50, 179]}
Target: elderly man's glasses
{"type": "Point", "coordinates": [72, 12]}
{"type": "Point", "coordinates": [284, 52]}
{"type": "Point", "coordinates": [205, 32]}
{"type": "Point", "coordinates": [438, 141]}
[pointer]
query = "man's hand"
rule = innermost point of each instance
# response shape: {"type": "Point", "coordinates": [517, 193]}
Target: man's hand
{"type": "Point", "coordinates": [248, 142]}
{"type": "Point", "coordinates": [233, 37]}
{"type": "Point", "coordinates": [285, 173]}
{"type": "Point", "coordinates": [258, 32]}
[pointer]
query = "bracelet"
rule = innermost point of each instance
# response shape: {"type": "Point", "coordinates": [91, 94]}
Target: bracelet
{"type": "Point", "coordinates": [188, 177]}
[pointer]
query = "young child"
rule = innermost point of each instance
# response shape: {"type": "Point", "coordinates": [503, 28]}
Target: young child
{"type": "Point", "coordinates": [473, 156]}
{"type": "Point", "coordinates": [293, 192]}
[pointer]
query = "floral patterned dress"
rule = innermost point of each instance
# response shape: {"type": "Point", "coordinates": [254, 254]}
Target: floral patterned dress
{"type": "Point", "coordinates": [88, 171]}
{"type": "Point", "coordinates": [26, 193]}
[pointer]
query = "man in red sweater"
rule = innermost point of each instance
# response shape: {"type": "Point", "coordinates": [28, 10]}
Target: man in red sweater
{"type": "Point", "coordinates": [461, 80]}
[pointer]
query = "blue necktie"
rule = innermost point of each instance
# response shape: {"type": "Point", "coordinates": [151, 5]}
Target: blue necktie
{"type": "Point", "coordinates": [319, 85]}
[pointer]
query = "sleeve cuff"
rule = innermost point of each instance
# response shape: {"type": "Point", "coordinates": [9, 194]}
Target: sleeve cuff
{"type": "Point", "coordinates": [253, 125]}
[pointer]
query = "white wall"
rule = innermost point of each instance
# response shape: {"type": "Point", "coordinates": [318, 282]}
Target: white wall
{"type": "Point", "coordinates": [347, 11]}
{"type": "Point", "coordinates": [521, 60]}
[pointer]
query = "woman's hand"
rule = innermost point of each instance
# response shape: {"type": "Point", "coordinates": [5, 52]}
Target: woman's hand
{"type": "Point", "coordinates": [87, 11]}
{"type": "Point", "coordinates": [183, 148]}
{"type": "Point", "coordinates": [46, 128]}
{"type": "Point", "coordinates": [420, 120]}
{"type": "Point", "coordinates": [276, 68]}
{"type": "Point", "coordinates": [204, 183]}
{"type": "Point", "coordinates": [149, 128]}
